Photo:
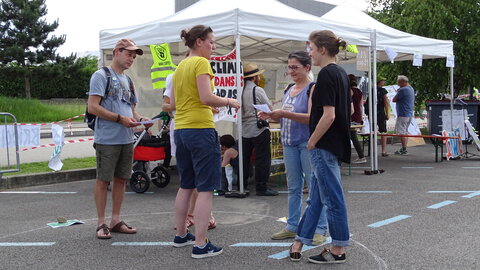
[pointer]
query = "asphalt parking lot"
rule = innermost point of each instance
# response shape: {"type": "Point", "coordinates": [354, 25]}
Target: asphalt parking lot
{"type": "Point", "coordinates": [418, 214]}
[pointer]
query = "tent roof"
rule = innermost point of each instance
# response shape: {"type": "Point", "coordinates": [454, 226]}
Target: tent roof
{"type": "Point", "coordinates": [387, 37]}
{"type": "Point", "coordinates": [268, 28]}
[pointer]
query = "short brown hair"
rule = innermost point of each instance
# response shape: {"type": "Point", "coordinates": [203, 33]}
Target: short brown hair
{"type": "Point", "coordinates": [190, 36]}
{"type": "Point", "coordinates": [328, 40]}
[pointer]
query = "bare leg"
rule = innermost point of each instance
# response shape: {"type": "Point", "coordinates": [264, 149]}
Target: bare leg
{"type": "Point", "coordinates": [193, 200]}
{"type": "Point", "coordinates": [297, 246]}
{"type": "Point", "coordinates": [118, 193]}
{"type": "Point", "coordinates": [404, 141]}
{"type": "Point", "coordinates": [337, 250]}
{"type": "Point", "coordinates": [203, 209]}
{"type": "Point", "coordinates": [384, 144]}
{"type": "Point", "coordinates": [100, 195]}
{"type": "Point", "coordinates": [182, 203]}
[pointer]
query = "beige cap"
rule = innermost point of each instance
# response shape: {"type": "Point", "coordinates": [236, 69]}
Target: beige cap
{"type": "Point", "coordinates": [128, 44]}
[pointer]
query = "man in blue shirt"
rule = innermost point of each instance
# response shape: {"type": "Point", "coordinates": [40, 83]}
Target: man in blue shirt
{"type": "Point", "coordinates": [405, 99]}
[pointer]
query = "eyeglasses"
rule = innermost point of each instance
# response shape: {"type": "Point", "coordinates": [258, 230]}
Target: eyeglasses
{"type": "Point", "coordinates": [293, 67]}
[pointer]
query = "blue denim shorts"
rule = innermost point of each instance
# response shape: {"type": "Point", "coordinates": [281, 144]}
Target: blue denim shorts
{"type": "Point", "coordinates": [198, 158]}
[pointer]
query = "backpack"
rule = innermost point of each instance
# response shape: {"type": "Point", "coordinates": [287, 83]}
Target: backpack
{"type": "Point", "coordinates": [90, 119]}
{"type": "Point", "coordinates": [292, 84]}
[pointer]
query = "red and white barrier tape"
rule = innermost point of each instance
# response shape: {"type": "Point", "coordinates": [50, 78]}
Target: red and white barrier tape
{"type": "Point", "coordinates": [44, 124]}
{"type": "Point", "coordinates": [52, 144]}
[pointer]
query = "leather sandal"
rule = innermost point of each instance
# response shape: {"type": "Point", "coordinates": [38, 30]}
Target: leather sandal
{"type": "Point", "coordinates": [295, 256]}
{"type": "Point", "coordinates": [106, 232]}
{"type": "Point", "coordinates": [212, 224]}
{"type": "Point", "coordinates": [117, 228]}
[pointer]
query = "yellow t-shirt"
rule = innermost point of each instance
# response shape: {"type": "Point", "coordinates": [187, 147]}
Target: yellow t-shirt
{"type": "Point", "coordinates": [190, 112]}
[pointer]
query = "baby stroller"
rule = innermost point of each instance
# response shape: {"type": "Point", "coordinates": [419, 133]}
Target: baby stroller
{"type": "Point", "coordinates": [150, 148]}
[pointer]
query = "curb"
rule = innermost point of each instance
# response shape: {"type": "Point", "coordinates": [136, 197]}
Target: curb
{"type": "Point", "coordinates": [38, 179]}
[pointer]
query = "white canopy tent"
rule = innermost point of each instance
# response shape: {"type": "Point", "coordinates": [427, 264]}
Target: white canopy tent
{"type": "Point", "coordinates": [262, 31]}
{"type": "Point", "coordinates": [405, 44]}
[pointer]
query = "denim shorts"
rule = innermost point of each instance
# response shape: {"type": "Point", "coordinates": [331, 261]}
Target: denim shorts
{"type": "Point", "coordinates": [198, 158]}
{"type": "Point", "coordinates": [114, 161]}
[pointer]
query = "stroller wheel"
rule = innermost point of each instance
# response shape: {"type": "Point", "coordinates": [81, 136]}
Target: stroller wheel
{"type": "Point", "coordinates": [160, 177]}
{"type": "Point", "coordinates": [139, 182]}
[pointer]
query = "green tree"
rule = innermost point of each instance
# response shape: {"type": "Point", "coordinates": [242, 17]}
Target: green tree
{"type": "Point", "coordinates": [456, 20]}
{"type": "Point", "coordinates": [25, 36]}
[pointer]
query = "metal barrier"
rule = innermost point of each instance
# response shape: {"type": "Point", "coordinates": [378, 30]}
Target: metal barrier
{"type": "Point", "coordinates": [6, 128]}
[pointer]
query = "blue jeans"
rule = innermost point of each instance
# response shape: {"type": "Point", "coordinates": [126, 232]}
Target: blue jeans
{"type": "Point", "coordinates": [298, 169]}
{"type": "Point", "coordinates": [327, 190]}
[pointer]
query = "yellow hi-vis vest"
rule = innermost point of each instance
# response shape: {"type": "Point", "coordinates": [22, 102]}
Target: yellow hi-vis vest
{"type": "Point", "coordinates": [162, 65]}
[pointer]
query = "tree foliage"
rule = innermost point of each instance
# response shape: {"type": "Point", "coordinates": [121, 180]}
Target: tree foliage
{"type": "Point", "coordinates": [26, 38]}
{"type": "Point", "coordinates": [69, 77]}
{"type": "Point", "coordinates": [456, 20]}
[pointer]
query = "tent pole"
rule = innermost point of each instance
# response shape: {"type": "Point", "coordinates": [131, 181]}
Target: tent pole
{"type": "Point", "coordinates": [375, 101]}
{"type": "Point", "coordinates": [451, 99]}
{"type": "Point", "coordinates": [239, 112]}
{"type": "Point", "coordinates": [370, 102]}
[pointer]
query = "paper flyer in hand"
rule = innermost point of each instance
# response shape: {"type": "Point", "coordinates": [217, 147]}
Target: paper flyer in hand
{"type": "Point", "coordinates": [148, 121]}
{"type": "Point", "coordinates": [262, 107]}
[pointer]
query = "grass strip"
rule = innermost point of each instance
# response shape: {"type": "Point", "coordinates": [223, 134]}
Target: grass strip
{"type": "Point", "coordinates": [42, 167]}
{"type": "Point", "coordinates": [36, 111]}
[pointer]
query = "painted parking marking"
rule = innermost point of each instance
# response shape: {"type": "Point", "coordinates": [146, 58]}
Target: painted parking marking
{"type": "Point", "coordinates": [130, 193]}
{"type": "Point", "coordinates": [142, 244]}
{"type": "Point", "coordinates": [283, 191]}
{"type": "Point", "coordinates": [441, 204]}
{"type": "Point", "coordinates": [470, 167]}
{"type": "Point", "coordinates": [388, 221]}
{"type": "Point", "coordinates": [253, 244]}
{"type": "Point", "coordinates": [286, 253]}
{"type": "Point", "coordinates": [417, 167]}
{"type": "Point", "coordinates": [26, 244]}
{"type": "Point", "coordinates": [471, 195]}
{"type": "Point", "coordinates": [38, 192]}
{"type": "Point", "coordinates": [369, 191]}
{"type": "Point", "coordinates": [360, 167]}
{"type": "Point", "coordinates": [451, 191]}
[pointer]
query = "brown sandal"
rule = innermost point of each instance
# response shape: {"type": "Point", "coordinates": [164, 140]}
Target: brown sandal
{"type": "Point", "coordinates": [295, 256]}
{"type": "Point", "coordinates": [117, 228]}
{"type": "Point", "coordinates": [106, 232]}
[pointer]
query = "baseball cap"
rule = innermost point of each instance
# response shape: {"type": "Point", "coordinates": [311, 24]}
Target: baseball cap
{"type": "Point", "coordinates": [128, 44]}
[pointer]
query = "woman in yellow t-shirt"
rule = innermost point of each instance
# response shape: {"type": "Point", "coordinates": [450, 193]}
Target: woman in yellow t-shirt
{"type": "Point", "coordinates": [198, 148]}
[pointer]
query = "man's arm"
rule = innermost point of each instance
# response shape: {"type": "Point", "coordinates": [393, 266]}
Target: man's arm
{"type": "Point", "coordinates": [95, 108]}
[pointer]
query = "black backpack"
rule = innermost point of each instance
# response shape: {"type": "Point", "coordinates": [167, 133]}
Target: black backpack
{"type": "Point", "coordinates": [91, 118]}
{"type": "Point", "coordinates": [292, 84]}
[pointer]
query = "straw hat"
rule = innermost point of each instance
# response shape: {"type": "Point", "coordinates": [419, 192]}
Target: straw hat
{"type": "Point", "coordinates": [251, 70]}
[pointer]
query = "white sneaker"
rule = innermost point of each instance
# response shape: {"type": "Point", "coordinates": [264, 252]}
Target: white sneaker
{"type": "Point", "coordinates": [360, 160]}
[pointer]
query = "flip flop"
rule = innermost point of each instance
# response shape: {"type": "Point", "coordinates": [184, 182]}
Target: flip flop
{"type": "Point", "coordinates": [106, 232]}
{"type": "Point", "coordinates": [212, 224]}
{"type": "Point", "coordinates": [117, 228]}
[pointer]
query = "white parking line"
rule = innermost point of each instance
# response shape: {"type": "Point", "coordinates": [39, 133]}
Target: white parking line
{"type": "Point", "coordinates": [417, 167]}
{"type": "Point", "coordinates": [369, 191]}
{"type": "Point", "coordinates": [388, 221]}
{"type": "Point", "coordinates": [471, 195]}
{"type": "Point", "coordinates": [142, 244]}
{"type": "Point", "coordinates": [37, 192]}
{"type": "Point", "coordinates": [441, 204]}
{"type": "Point", "coordinates": [26, 244]}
